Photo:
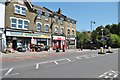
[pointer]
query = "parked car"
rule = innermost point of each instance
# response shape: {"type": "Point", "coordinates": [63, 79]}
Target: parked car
{"type": "Point", "coordinates": [21, 49]}
{"type": "Point", "coordinates": [46, 48]}
{"type": "Point", "coordinates": [38, 48]}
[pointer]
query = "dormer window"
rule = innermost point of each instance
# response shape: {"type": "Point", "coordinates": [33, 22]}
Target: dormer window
{"type": "Point", "coordinates": [73, 23]}
{"type": "Point", "coordinates": [56, 19]}
{"type": "Point", "coordinates": [68, 23]}
{"type": "Point", "coordinates": [23, 11]}
{"type": "Point", "coordinates": [19, 9]}
{"type": "Point", "coordinates": [61, 20]}
{"type": "Point", "coordinates": [39, 13]}
{"type": "Point", "coordinates": [47, 16]}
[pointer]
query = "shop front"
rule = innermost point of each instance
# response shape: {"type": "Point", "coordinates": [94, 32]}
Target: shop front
{"type": "Point", "coordinates": [58, 42]}
{"type": "Point", "coordinates": [16, 39]}
{"type": "Point", "coordinates": [71, 42]}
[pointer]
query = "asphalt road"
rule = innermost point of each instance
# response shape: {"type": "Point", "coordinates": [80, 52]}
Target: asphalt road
{"type": "Point", "coordinates": [74, 64]}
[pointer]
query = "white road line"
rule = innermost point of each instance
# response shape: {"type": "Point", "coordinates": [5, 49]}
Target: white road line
{"type": "Point", "coordinates": [43, 62]}
{"type": "Point", "coordinates": [9, 71]}
{"type": "Point", "coordinates": [4, 69]}
{"type": "Point", "coordinates": [86, 56]}
{"type": "Point", "coordinates": [78, 58]}
{"type": "Point", "coordinates": [10, 75]}
{"type": "Point", "coordinates": [55, 62]}
{"type": "Point", "coordinates": [68, 59]}
{"type": "Point", "coordinates": [37, 66]}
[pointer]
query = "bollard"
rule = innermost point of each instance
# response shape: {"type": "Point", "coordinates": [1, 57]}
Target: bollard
{"type": "Point", "coordinates": [109, 50]}
{"type": "Point", "coordinates": [101, 51]}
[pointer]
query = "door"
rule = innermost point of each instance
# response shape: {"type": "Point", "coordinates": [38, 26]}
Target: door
{"type": "Point", "coordinates": [14, 44]}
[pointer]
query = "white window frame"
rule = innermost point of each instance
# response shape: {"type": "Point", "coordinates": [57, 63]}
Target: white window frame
{"type": "Point", "coordinates": [13, 23]}
{"type": "Point", "coordinates": [61, 21]}
{"type": "Point", "coordinates": [39, 15]}
{"type": "Point", "coordinates": [17, 22]}
{"type": "Point", "coordinates": [20, 9]}
{"type": "Point", "coordinates": [37, 26]}
{"type": "Point", "coordinates": [25, 25]}
{"type": "Point", "coordinates": [47, 14]}
{"type": "Point", "coordinates": [45, 27]}
{"type": "Point", "coordinates": [16, 9]}
{"type": "Point", "coordinates": [55, 17]}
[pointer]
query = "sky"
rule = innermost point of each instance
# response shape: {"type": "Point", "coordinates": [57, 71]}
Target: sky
{"type": "Point", "coordinates": [102, 13]}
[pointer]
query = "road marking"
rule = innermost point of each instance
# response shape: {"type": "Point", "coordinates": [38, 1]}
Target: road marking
{"type": "Point", "coordinates": [109, 74]}
{"type": "Point", "coordinates": [11, 75]}
{"type": "Point", "coordinates": [37, 66]}
{"type": "Point", "coordinates": [55, 62]}
{"type": "Point", "coordinates": [44, 62]}
{"type": "Point", "coordinates": [9, 71]}
{"type": "Point", "coordinates": [78, 58]}
{"type": "Point", "coordinates": [68, 59]}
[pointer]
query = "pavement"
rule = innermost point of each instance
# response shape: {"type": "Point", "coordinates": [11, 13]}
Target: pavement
{"type": "Point", "coordinates": [16, 56]}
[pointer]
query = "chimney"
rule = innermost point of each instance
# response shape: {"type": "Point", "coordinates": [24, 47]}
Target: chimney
{"type": "Point", "coordinates": [59, 11]}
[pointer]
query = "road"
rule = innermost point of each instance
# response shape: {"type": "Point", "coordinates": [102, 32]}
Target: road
{"type": "Point", "coordinates": [73, 64]}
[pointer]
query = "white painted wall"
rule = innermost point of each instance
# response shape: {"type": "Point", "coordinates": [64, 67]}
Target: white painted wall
{"type": "Point", "coordinates": [2, 15]}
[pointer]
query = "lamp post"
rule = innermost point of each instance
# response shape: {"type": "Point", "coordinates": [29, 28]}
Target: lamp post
{"type": "Point", "coordinates": [92, 22]}
{"type": "Point", "coordinates": [102, 38]}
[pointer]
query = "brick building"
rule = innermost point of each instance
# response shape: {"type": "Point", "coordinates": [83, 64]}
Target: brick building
{"type": "Point", "coordinates": [27, 23]}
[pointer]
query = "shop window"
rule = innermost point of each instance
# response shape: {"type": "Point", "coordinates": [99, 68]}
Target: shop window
{"type": "Point", "coordinates": [68, 31]}
{"type": "Point", "coordinates": [13, 23]}
{"type": "Point", "coordinates": [26, 24]}
{"type": "Point", "coordinates": [38, 26]}
{"type": "Point", "coordinates": [46, 28]}
{"type": "Point", "coordinates": [20, 23]}
{"type": "Point", "coordinates": [56, 29]}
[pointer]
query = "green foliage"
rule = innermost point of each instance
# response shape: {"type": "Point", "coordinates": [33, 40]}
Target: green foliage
{"type": "Point", "coordinates": [115, 39]}
{"type": "Point", "coordinates": [111, 35]}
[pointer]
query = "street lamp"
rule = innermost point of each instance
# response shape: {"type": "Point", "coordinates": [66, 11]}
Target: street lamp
{"type": "Point", "coordinates": [92, 22]}
{"type": "Point", "coordinates": [102, 38]}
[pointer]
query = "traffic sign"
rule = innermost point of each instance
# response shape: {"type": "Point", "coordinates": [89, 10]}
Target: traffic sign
{"type": "Point", "coordinates": [102, 39]}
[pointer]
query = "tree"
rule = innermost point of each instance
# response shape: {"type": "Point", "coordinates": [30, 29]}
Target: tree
{"type": "Point", "coordinates": [115, 40]}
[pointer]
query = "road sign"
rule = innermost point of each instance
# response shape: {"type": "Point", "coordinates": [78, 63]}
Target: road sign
{"type": "Point", "coordinates": [102, 39]}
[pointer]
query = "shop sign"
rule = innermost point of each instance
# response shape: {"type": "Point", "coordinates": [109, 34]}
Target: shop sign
{"type": "Point", "coordinates": [36, 35]}
{"type": "Point", "coordinates": [58, 38]}
{"type": "Point", "coordinates": [20, 34]}
{"type": "Point", "coordinates": [8, 33]}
